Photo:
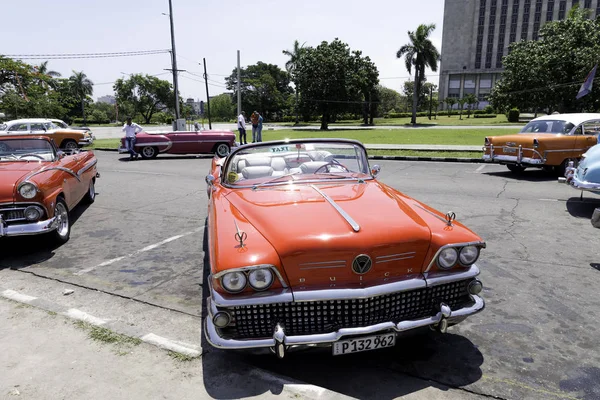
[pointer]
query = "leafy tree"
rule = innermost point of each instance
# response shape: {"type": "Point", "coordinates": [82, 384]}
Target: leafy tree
{"type": "Point", "coordinates": [145, 95]}
{"type": "Point", "coordinates": [82, 87]}
{"type": "Point", "coordinates": [450, 101]}
{"type": "Point", "coordinates": [222, 108]}
{"type": "Point", "coordinates": [290, 66]}
{"type": "Point", "coordinates": [424, 90]}
{"type": "Point", "coordinates": [461, 104]}
{"type": "Point", "coordinates": [420, 53]}
{"type": "Point", "coordinates": [333, 80]}
{"type": "Point", "coordinates": [265, 88]}
{"type": "Point", "coordinates": [547, 73]}
{"type": "Point", "coordinates": [470, 100]}
{"type": "Point", "coordinates": [389, 100]}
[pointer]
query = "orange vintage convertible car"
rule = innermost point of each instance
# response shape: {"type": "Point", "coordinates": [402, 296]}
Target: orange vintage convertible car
{"type": "Point", "coordinates": [548, 142]}
{"type": "Point", "coordinates": [40, 185]}
{"type": "Point", "coordinates": [307, 248]}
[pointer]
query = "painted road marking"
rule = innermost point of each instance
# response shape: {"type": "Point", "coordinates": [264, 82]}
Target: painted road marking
{"type": "Point", "coordinates": [16, 296]}
{"type": "Point", "coordinates": [478, 170]}
{"type": "Point", "coordinates": [85, 317]}
{"type": "Point", "coordinates": [165, 343]}
{"type": "Point", "coordinates": [135, 253]}
{"type": "Point", "coordinates": [548, 200]}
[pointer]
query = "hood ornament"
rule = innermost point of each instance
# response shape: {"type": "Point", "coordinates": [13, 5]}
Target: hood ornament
{"type": "Point", "coordinates": [450, 217]}
{"type": "Point", "coordinates": [240, 236]}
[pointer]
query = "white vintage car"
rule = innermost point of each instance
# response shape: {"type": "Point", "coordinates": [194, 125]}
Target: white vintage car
{"type": "Point", "coordinates": [68, 139]}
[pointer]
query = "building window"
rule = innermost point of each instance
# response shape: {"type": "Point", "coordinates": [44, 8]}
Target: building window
{"type": "Point", "coordinates": [480, 29]}
{"type": "Point", "coordinates": [502, 35]}
{"type": "Point", "coordinates": [525, 24]}
{"type": "Point", "coordinates": [562, 9]}
{"type": "Point", "coordinates": [485, 87]}
{"type": "Point", "coordinates": [537, 18]}
{"type": "Point", "coordinates": [491, 28]}
{"type": "Point", "coordinates": [588, 4]}
{"type": "Point", "coordinates": [454, 86]}
{"type": "Point", "coordinates": [514, 19]}
{"type": "Point", "coordinates": [574, 3]}
{"type": "Point", "coordinates": [469, 84]}
{"type": "Point", "coordinates": [550, 12]}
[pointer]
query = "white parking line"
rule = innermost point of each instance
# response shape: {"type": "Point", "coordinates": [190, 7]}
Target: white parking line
{"type": "Point", "coordinates": [16, 296]}
{"type": "Point", "coordinates": [478, 170]}
{"type": "Point", "coordinates": [135, 253]}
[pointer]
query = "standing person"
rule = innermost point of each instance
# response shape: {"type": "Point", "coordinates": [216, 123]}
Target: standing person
{"type": "Point", "coordinates": [241, 124]}
{"type": "Point", "coordinates": [254, 119]}
{"type": "Point", "coordinates": [131, 129]}
{"type": "Point", "coordinates": [259, 128]}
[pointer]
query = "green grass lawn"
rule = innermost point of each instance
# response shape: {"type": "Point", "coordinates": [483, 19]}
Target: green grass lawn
{"type": "Point", "coordinates": [442, 119]}
{"type": "Point", "coordinates": [373, 136]}
{"type": "Point", "coordinates": [418, 153]}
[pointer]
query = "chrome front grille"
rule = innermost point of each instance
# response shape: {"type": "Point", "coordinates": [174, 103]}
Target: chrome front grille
{"type": "Point", "coordinates": [314, 317]}
{"type": "Point", "coordinates": [14, 213]}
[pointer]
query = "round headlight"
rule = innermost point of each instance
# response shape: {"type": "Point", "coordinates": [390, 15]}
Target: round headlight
{"type": "Point", "coordinates": [447, 257]}
{"type": "Point", "coordinates": [234, 281]}
{"type": "Point", "coordinates": [33, 213]}
{"type": "Point", "coordinates": [27, 190]}
{"type": "Point", "coordinates": [468, 255]}
{"type": "Point", "coordinates": [260, 279]}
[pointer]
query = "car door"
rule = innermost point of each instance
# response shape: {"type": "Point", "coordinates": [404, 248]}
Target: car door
{"type": "Point", "coordinates": [588, 136]}
{"type": "Point", "coordinates": [72, 183]}
{"type": "Point", "coordinates": [19, 129]}
{"type": "Point", "coordinates": [184, 142]}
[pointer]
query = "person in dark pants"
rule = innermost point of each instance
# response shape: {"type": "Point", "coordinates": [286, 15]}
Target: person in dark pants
{"type": "Point", "coordinates": [241, 124]}
{"type": "Point", "coordinates": [131, 129]}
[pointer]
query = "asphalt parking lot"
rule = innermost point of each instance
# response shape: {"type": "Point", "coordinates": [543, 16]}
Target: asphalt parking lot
{"type": "Point", "coordinates": [537, 338]}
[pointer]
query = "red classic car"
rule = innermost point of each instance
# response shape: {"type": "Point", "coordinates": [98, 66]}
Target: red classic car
{"type": "Point", "coordinates": [40, 185]}
{"type": "Point", "coordinates": [307, 248]}
{"type": "Point", "coordinates": [150, 144]}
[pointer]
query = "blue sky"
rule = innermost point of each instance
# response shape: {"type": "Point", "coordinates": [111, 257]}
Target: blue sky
{"type": "Point", "coordinates": [213, 29]}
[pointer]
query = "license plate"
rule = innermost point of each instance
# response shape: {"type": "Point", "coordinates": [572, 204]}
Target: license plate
{"type": "Point", "coordinates": [509, 150]}
{"type": "Point", "coordinates": [364, 344]}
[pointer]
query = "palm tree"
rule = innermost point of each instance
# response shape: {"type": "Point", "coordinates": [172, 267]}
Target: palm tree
{"type": "Point", "coordinates": [45, 76]}
{"type": "Point", "coordinates": [461, 103]}
{"type": "Point", "coordinates": [291, 64]}
{"type": "Point", "coordinates": [81, 86]}
{"type": "Point", "coordinates": [450, 101]}
{"type": "Point", "coordinates": [42, 69]}
{"type": "Point", "coordinates": [470, 99]}
{"type": "Point", "coordinates": [421, 53]}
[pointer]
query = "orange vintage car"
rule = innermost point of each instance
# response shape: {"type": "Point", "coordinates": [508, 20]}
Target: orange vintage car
{"type": "Point", "coordinates": [40, 185]}
{"type": "Point", "coordinates": [548, 142]}
{"type": "Point", "coordinates": [66, 139]}
{"type": "Point", "coordinates": [307, 248]}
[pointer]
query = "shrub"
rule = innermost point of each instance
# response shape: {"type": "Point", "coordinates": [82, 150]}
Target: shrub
{"type": "Point", "coordinates": [485, 116]}
{"type": "Point", "coordinates": [488, 110]}
{"type": "Point", "coordinates": [513, 115]}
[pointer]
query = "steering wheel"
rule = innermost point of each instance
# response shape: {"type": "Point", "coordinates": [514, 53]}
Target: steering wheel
{"type": "Point", "coordinates": [335, 163]}
{"type": "Point", "coordinates": [3, 147]}
{"type": "Point", "coordinates": [31, 155]}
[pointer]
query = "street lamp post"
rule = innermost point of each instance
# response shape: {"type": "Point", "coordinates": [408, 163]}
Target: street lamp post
{"type": "Point", "coordinates": [174, 64]}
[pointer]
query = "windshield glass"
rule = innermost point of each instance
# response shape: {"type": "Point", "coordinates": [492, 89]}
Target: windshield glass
{"type": "Point", "coordinates": [26, 150]}
{"type": "Point", "coordinates": [548, 126]}
{"type": "Point", "coordinates": [283, 163]}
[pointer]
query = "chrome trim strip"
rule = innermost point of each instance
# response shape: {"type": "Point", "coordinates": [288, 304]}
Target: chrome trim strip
{"type": "Point", "coordinates": [151, 144]}
{"type": "Point", "coordinates": [250, 268]}
{"type": "Point", "coordinates": [432, 213]}
{"type": "Point", "coordinates": [394, 255]}
{"type": "Point", "coordinates": [440, 278]}
{"type": "Point", "coordinates": [434, 259]}
{"type": "Point", "coordinates": [217, 341]}
{"type": "Point", "coordinates": [69, 171]}
{"type": "Point", "coordinates": [324, 262]}
{"type": "Point", "coordinates": [564, 151]}
{"type": "Point", "coordinates": [250, 299]}
{"type": "Point", "coordinates": [513, 159]}
{"type": "Point", "coordinates": [339, 209]}
{"type": "Point", "coordinates": [394, 259]}
{"type": "Point", "coordinates": [359, 293]}
{"type": "Point", "coordinates": [87, 167]}
{"type": "Point", "coordinates": [324, 267]}
{"type": "Point", "coordinates": [35, 228]}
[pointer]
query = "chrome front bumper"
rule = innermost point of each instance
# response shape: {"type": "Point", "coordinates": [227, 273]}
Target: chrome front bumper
{"type": "Point", "coordinates": [571, 180]}
{"type": "Point", "coordinates": [518, 158]}
{"type": "Point", "coordinates": [86, 142]}
{"type": "Point", "coordinates": [280, 341]}
{"type": "Point", "coordinates": [33, 228]}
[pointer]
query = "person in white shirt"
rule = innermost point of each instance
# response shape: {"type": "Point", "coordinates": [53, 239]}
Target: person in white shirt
{"type": "Point", "coordinates": [131, 129]}
{"type": "Point", "coordinates": [241, 124]}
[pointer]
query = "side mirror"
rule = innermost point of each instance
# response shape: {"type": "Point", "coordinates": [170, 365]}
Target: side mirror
{"type": "Point", "coordinates": [210, 184]}
{"type": "Point", "coordinates": [61, 154]}
{"type": "Point", "coordinates": [375, 170]}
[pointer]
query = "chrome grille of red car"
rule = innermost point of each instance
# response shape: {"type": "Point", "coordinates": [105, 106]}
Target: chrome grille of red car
{"type": "Point", "coordinates": [14, 213]}
{"type": "Point", "coordinates": [313, 317]}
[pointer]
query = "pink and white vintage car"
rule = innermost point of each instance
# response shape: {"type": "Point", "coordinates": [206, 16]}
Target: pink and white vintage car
{"type": "Point", "coordinates": [150, 144]}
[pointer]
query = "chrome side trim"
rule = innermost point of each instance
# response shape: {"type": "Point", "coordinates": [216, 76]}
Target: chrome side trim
{"type": "Point", "coordinates": [339, 209]}
{"type": "Point", "coordinates": [434, 259]}
{"type": "Point", "coordinates": [323, 265]}
{"type": "Point", "coordinates": [87, 167]}
{"type": "Point", "coordinates": [325, 262]}
{"type": "Point", "coordinates": [432, 213]}
{"type": "Point", "coordinates": [151, 144]}
{"type": "Point", "coordinates": [394, 259]}
{"type": "Point", "coordinates": [250, 268]}
{"type": "Point", "coordinates": [67, 170]}
{"type": "Point", "coordinates": [396, 255]}
{"type": "Point", "coordinates": [217, 341]}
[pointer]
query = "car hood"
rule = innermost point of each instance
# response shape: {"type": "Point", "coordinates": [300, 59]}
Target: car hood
{"type": "Point", "coordinates": [317, 246]}
{"type": "Point", "coordinates": [11, 174]}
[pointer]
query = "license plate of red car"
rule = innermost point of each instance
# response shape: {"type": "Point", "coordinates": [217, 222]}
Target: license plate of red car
{"type": "Point", "coordinates": [364, 344]}
{"type": "Point", "coordinates": [510, 150]}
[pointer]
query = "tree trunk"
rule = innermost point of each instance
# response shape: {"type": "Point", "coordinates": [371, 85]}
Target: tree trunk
{"type": "Point", "coordinates": [413, 119]}
{"type": "Point", "coordinates": [370, 109]}
{"type": "Point", "coordinates": [296, 107]}
{"type": "Point", "coordinates": [365, 113]}
{"type": "Point", "coordinates": [324, 121]}
{"type": "Point", "coordinates": [83, 112]}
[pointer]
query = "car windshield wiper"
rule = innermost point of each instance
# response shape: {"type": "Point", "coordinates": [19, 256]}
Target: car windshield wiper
{"type": "Point", "coordinates": [275, 179]}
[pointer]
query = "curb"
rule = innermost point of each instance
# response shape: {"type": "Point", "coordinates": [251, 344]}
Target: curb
{"type": "Point", "coordinates": [118, 327]}
{"type": "Point", "coordinates": [389, 158]}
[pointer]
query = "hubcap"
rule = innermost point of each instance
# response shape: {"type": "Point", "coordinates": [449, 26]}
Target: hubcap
{"type": "Point", "coordinates": [92, 190]}
{"type": "Point", "coordinates": [71, 146]}
{"type": "Point", "coordinates": [62, 219]}
{"type": "Point", "coordinates": [222, 150]}
{"type": "Point", "coordinates": [148, 151]}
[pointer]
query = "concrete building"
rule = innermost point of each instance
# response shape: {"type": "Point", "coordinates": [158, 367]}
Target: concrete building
{"type": "Point", "coordinates": [107, 99]}
{"type": "Point", "coordinates": [477, 33]}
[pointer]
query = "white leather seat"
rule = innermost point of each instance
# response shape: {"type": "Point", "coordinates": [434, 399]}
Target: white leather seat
{"type": "Point", "coordinates": [260, 171]}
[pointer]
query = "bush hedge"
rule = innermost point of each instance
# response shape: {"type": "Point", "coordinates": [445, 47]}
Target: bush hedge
{"type": "Point", "coordinates": [485, 116]}
{"type": "Point", "coordinates": [513, 115]}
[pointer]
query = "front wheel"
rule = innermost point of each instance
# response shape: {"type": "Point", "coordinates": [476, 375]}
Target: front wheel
{"type": "Point", "coordinates": [222, 150]}
{"type": "Point", "coordinates": [63, 226]}
{"type": "Point", "coordinates": [149, 152]}
{"type": "Point", "coordinates": [69, 145]}
{"type": "Point", "coordinates": [515, 169]}
{"type": "Point", "coordinates": [90, 196]}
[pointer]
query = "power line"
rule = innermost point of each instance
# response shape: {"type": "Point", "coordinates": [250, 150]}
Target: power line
{"type": "Point", "coordinates": [85, 55]}
{"type": "Point", "coordinates": [110, 83]}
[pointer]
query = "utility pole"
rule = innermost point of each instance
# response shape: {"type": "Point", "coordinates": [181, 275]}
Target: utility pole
{"type": "Point", "coordinates": [430, 100]}
{"type": "Point", "coordinates": [207, 96]}
{"type": "Point", "coordinates": [239, 78]}
{"type": "Point", "coordinates": [174, 64]}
